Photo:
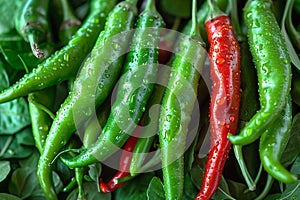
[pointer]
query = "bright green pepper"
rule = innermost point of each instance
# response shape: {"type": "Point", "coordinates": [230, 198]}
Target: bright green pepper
{"type": "Point", "coordinates": [177, 106]}
{"type": "Point", "coordinates": [63, 126]}
{"type": "Point", "coordinates": [64, 63]}
{"type": "Point", "coordinates": [134, 89]}
{"type": "Point", "coordinates": [273, 142]}
{"type": "Point", "coordinates": [273, 66]}
{"type": "Point", "coordinates": [39, 103]}
{"type": "Point", "coordinates": [32, 22]}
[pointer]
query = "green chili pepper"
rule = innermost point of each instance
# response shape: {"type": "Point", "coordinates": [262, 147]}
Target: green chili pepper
{"type": "Point", "coordinates": [79, 173]}
{"type": "Point", "coordinates": [95, 125]}
{"type": "Point", "coordinates": [177, 105]}
{"type": "Point", "coordinates": [273, 142]}
{"type": "Point", "coordinates": [64, 63]}
{"type": "Point", "coordinates": [32, 22]}
{"type": "Point", "coordinates": [41, 105]}
{"type": "Point", "coordinates": [134, 89]}
{"type": "Point", "coordinates": [273, 66]}
{"type": "Point", "coordinates": [151, 122]}
{"type": "Point", "coordinates": [63, 125]}
{"type": "Point", "coordinates": [70, 185]}
{"type": "Point", "coordinates": [70, 23]}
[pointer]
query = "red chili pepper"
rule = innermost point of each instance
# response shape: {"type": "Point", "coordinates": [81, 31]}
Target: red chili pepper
{"type": "Point", "coordinates": [125, 161]}
{"type": "Point", "coordinates": [224, 55]}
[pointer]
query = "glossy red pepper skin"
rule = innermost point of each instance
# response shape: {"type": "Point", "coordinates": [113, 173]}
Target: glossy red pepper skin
{"type": "Point", "coordinates": [224, 55]}
{"type": "Point", "coordinates": [125, 161]}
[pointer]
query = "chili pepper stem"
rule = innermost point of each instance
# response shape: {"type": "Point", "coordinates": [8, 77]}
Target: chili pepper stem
{"type": "Point", "coordinates": [267, 188]}
{"type": "Point", "coordinates": [214, 10]}
{"type": "Point", "coordinates": [195, 27]}
{"type": "Point", "coordinates": [239, 157]}
{"type": "Point", "coordinates": [35, 47]}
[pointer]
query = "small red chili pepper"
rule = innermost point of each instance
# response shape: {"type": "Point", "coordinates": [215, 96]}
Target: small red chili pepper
{"type": "Point", "coordinates": [224, 55]}
{"type": "Point", "coordinates": [125, 161]}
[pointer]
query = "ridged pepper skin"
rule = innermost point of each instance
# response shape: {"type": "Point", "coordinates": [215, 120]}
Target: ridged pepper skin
{"type": "Point", "coordinates": [224, 54]}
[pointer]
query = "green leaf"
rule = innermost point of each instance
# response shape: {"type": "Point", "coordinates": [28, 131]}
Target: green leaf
{"type": "Point", "coordinates": [273, 196]}
{"type": "Point", "coordinates": [135, 189]}
{"type": "Point", "coordinates": [293, 55]}
{"type": "Point", "coordinates": [189, 154]}
{"type": "Point", "coordinates": [7, 18]}
{"type": "Point", "coordinates": [16, 56]}
{"type": "Point", "coordinates": [10, 148]}
{"type": "Point", "coordinates": [177, 8]}
{"type": "Point", "coordinates": [25, 184]}
{"type": "Point", "coordinates": [4, 196]}
{"type": "Point", "coordinates": [155, 189]}
{"type": "Point", "coordinates": [91, 192]}
{"type": "Point", "coordinates": [292, 149]}
{"type": "Point", "coordinates": [4, 81]}
{"type": "Point", "coordinates": [14, 115]}
{"type": "Point", "coordinates": [25, 137]}
{"type": "Point", "coordinates": [189, 190]}
{"type": "Point", "coordinates": [31, 161]}
{"type": "Point", "coordinates": [95, 172]}
{"type": "Point", "coordinates": [20, 184]}
{"type": "Point", "coordinates": [237, 190]}
{"type": "Point", "coordinates": [5, 169]}
{"type": "Point", "coordinates": [197, 173]}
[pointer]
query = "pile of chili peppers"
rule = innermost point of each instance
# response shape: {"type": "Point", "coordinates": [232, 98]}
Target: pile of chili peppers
{"type": "Point", "coordinates": [115, 63]}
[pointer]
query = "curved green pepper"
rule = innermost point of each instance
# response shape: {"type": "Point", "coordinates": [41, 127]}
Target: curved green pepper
{"type": "Point", "coordinates": [273, 66]}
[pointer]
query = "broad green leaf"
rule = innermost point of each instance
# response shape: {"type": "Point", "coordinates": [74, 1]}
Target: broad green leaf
{"type": "Point", "coordinates": [273, 196]}
{"type": "Point", "coordinates": [31, 161]}
{"type": "Point", "coordinates": [64, 172]}
{"type": "Point", "coordinates": [16, 56]}
{"type": "Point", "coordinates": [295, 90]}
{"type": "Point", "coordinates": [135, 189]}
{"type": "Point", "coordinates": [5, 169]}
{"type": "Point", "coordinates": [11, 36]}
{"type": "Point", "coordinates": [296, 166]}
{"type": "Point", "coordinates": [14, 115]}
{"type": "Point", "coordinates": [155, 189]}
{"type": "Point", "coordinates": [293, 55]}
{"type": "Point", "coordinates": [25, 137]}
{"type": "Point", "coordinates": [4, 196]}
{"type": "Point", "coordinates": [8, 10]}
{"type": "Point", "coordinates": [25, 184]}
{"type": "Point", "coordinates": [292, 149]}
{"type": "Point", "coordinates": [91, 192]}
{"type": "Point", "coordinates": [237, 190]}
{"type": "Point", "coordinates": [189, 190]}
{"type": "Point", "coordinates": [4, 81]}
{"type": "Point", "coordinates": [10, 148]}
{"type": "Point", "coordinates": [197, 175]}
{"type": "Point", "coordinates": [19, 185]}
